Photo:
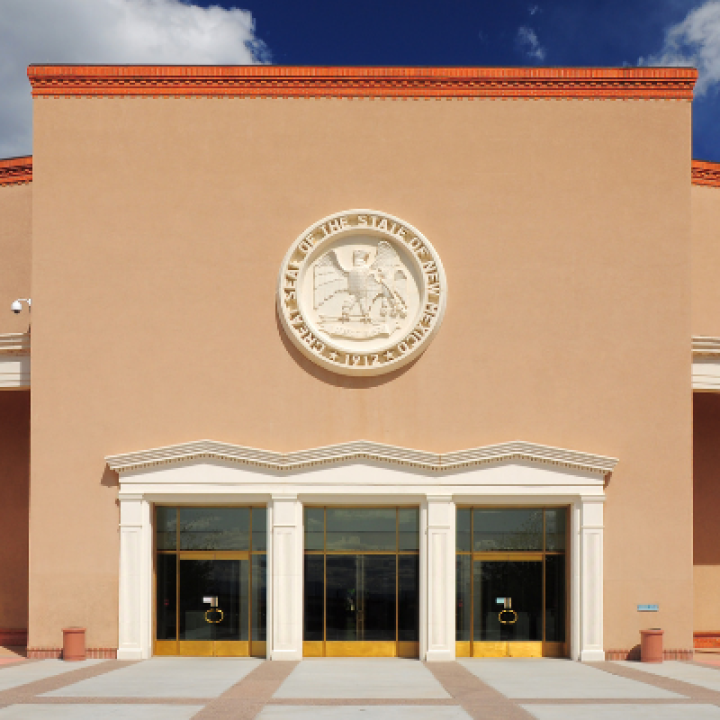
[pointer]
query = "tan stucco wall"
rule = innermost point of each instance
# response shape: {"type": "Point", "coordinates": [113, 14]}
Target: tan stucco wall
{"type": "Point", "coordinates": [15, 254]}
{"type": "Point", "coordinates": [706, 470]}
{"type": "Point", "coordinates": [14, 507]}
{"type": "Point", "coordinates": [159, 228]}
{"type": "Point", "coordinates": [705, 260]}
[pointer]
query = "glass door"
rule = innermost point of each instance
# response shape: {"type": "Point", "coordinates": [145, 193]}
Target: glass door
{"type": "Point", "coordinates": [210, 592]}
{"type": "Point", "coordinates": [511, 582]}
{"type": "Point", "coordinates": [507, 606]}
{"type": "Point", "coordinates": [214, 592]}
{"type": "Point", "coordinates": [360, 598]}
{"type": "Point", "coordinates": [361, 582]}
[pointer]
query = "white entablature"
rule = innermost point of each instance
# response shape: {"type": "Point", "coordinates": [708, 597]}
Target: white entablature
{"type": "Point", "coordinates": [359, 451]}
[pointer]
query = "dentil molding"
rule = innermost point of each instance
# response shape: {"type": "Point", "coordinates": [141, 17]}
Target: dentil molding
{"type": "Point", "coordinates": [361, 450]}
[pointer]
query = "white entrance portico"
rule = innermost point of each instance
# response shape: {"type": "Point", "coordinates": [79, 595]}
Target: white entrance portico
{"type": "Point", "coordinates": [361, 473]}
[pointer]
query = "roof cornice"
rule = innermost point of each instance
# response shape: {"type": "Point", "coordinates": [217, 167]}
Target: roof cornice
{"type": "Point", "coordinates": [15, 344]}
{"type": "Point", "coordinates": [706, 346]}
{"type": "Point", "coordinates": [16, 171]}
{"type": "Point", "coordinates": [345, 82]}
{"type": "Point", "coordinates": [706, 173]}
{"type": "Point", "coordinates": [360, 450]}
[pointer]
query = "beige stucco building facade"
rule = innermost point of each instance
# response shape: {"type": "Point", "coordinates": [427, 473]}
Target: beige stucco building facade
{"type": "Point", "coordinates": [360, 361]}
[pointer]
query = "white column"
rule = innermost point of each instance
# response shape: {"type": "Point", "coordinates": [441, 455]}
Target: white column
{"type": "Point", "coordinates": [135, 602]}
{"type": "Point", "coordinates": [287, 585]}
{"type": "Point", "coordinates": [575, 578]}
{"type": "Point", "coordinates": [438, 640]}
{"type": "Point", "coordinates": [591, 579]}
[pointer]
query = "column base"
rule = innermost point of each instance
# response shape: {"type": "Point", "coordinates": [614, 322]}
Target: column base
{"type": "Point", "coordinates": [286, 655]}
{"type": "Point", "coordinates": [130, 654]}
{"type": "Point", "coordinates": [440, 656]}
{"type": "Point", "coordinates": [592, 656]}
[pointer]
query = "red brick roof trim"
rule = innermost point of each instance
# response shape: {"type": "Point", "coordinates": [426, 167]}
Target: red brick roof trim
{"type": "Point", "coordinates": [16, 171]}
{"type": "Point", "coordinates": [706, 173]}
{"type": "Point", "coordinates": [345, 82]}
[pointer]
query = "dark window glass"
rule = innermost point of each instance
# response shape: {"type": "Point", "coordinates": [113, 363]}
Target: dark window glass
{"type": "Point", "coordinates": [314, 528]}
{"type": "Point", "coordinates": [360, 597]}
{"type": "Point", "coordinates": [313, 607]}
{"type": "Point", "coordinates": [555, 529]}
{"type": "Point", "coordinates": [507, 529]}
{"type": "Point", "coordinates": [342, 603]}
{"type": "Point", "coordinates": [232, 588]}
{"type": "Point", "coordinates": [463, 597]}
{"type": "Point", "coordinates": [226, 582]}
{"type": "Point", "coordinates": [361, 529]}
{"type": "Point", "coordinates": [166, 528]}
{"type": "Point", "coordinates": [259, 595]}
{"type": "Point", "coordinates": [166, 597]}
{"type": "Point", "coordinates": [463, 539]}
{"type": "Point", "coordinates": [408, 598]}
{"type": "Point", "coordinates": [259, 529]}
{"type": "Point", "coordinates": [555, 598]}
{"type": "Point", "coordinates": [508, 601]}
{"type": "Point", "coordinates": [215, 528]}
{"type": "Point", "coordinates": [408, 529]}
{"type": "Point", "coordinates": [196, 582]}
{"type": "Point", "coordinates": [378, 595]}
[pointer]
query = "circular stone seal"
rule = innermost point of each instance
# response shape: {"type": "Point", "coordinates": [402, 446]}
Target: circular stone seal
{"type": "Point", "coordinates": [361, 292]}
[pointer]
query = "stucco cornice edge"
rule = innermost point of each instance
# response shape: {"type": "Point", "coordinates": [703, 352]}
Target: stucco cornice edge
{"type": "Point", "coordinates": [411, 82]}
{"type": "Point", "coordinates": [15, 344]}
{"type": "Point", "coordinates": [16, 171]}
{"type": "Point", "coordinates": [705, 346]}
{"type": "Point", "coordinates": [706, 173]}
{"type": "Point", "coordinates": [361, 450]}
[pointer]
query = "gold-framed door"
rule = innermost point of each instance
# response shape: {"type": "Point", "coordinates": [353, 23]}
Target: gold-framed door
{"type": "Point", "coordinates": [349, 603]}
{"type": "Point", "coordinates": [505, 616]}
{"type": "Point", "coordinates": [213, 597]}
{"type": "Point", "coordinates": [486, 607]}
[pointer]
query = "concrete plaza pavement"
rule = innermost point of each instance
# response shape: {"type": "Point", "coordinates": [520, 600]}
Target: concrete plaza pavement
{"type": "Point", "coordinates": [357, 689]}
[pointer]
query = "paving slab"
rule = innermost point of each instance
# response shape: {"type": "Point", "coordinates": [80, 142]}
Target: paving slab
{"type": "Point", "coordinates": [94, 711]}
{"type": "Point", "coordinates": [17, 674]}
{"type": "Point", "coordinates": [359, 678]}
{"type": "Point", "coordinates": [164, 678]}
{"type": "Point", "coordinates": [623, 712]}
{"type": "Point", "coordinates": [706, 677]}
{"type": "Point", "coordinates": [362, 712]}
{"type": "Point", "coordinates": [550, 679]}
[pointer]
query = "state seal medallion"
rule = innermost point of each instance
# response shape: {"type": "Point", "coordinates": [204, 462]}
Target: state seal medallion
{"type": "Point", "coordinates": [361, 292]}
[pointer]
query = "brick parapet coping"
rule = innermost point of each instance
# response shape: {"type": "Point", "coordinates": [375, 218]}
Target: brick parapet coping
{"type": "Point", "coordinates": [360, 82]}
{"type": "Point", "coordinates": [706, 173]}
{"type": "Point", "coordinates": [39, 653]}
{"type": "Point", "coordinates": [706, 640]}
{"type": "Point", "coordinates": [16, 171]}
{"type": "Point", "coordinates": [634, 654]}
{"type": "Point", "coordinates": [55, 653]}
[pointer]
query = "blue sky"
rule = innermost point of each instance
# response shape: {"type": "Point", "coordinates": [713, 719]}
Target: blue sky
{"type": "Point", "coordinates": [369, 32]}
{"type": "Point", "coordinates": [480, 32]}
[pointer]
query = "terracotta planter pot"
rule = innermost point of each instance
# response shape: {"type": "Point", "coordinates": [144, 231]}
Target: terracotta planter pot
{"type": "Point", "coordinates": [74, 644]}
{"type": "Point", "coordinates": [651, 645]}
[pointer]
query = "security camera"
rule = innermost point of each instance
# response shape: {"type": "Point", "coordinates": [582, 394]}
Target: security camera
{"type": "Point", "coordinates": [16, 305]}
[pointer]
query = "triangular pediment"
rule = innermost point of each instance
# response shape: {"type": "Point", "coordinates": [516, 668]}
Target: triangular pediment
{"type": "Point", "coordinates": [361, 451]}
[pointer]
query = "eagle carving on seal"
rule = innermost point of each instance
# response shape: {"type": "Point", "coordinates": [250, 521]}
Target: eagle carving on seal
{"type": "Point", "coordinates": [371, 295]}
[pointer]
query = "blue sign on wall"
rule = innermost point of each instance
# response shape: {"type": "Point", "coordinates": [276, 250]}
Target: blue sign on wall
{"type": "Point", "coordinates": [648, 608]}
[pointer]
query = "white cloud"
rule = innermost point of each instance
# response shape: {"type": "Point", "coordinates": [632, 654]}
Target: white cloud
{"type": "Point", "coordinates": [527, 41]}
{"type": "Point", "coordinates": [110, 31]}
{"type": "Point", "coordinates": [534, 9]}
{"type": "Point", "coordinates": [694, 42]}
